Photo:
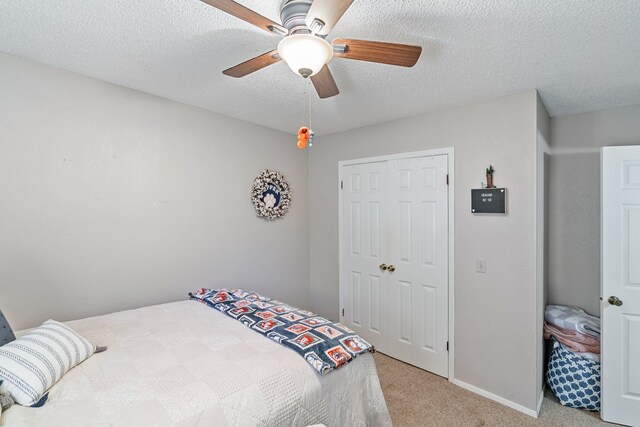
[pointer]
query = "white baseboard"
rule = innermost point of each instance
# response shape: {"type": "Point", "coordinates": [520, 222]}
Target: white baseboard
{"type": "Point", "coordinates": [499, 399]}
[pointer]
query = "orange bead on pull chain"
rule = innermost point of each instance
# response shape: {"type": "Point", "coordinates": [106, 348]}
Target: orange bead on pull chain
{"type": "Point", "coordinates": [303, 132]}
{"type": "Point", "coordinates": [303, 137]}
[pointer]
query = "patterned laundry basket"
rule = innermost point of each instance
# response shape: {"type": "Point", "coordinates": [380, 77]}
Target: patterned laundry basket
{"type": "Point", "coordinates": [574, 379]}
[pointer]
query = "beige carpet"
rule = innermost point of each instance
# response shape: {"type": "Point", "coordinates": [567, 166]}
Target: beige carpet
{"type": "Point", "coordinates": [419, 398]}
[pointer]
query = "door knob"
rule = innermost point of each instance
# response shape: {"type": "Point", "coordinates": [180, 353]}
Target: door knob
{"type": "Point", "coordinates": [392, 268]}
{"type": "Point", "coordinates": [615, 301]}
{"type": "Point", "coordinates": [383, 267]}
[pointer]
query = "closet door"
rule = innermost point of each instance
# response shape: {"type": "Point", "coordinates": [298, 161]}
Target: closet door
{"type": "Point", "coordinates": [364, 249]}
{"type": "Point", "coordinates": [418, 252]}
{"type": "Point", "coordinates": [620, 285]}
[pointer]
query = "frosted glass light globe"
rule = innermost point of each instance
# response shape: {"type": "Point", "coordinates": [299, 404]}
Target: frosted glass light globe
{"type": "Point", "coordinates": [305, 54]}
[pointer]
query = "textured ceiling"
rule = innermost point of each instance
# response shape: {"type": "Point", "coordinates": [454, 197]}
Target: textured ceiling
{"type": "Point", "coordinates": [581, 55]}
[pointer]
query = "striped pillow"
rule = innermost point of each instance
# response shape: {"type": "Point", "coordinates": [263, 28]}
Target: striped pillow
{"type": "Point", "coordinates": [31, 364]}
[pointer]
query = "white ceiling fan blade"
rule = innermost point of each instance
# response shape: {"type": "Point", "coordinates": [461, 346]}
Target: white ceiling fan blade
{"type": "Point", "coordinates": [327, 12]}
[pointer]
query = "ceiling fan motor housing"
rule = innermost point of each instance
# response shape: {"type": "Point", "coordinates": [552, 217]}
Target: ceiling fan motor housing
{"type": "Point", "coordinates": [293, 14]}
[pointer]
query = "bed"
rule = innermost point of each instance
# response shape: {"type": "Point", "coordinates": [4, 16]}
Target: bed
{"type": "Point", "coordinates": [186, 364]}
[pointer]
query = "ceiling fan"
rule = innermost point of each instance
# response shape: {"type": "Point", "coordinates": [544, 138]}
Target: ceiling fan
{"type": "Point", "coordinates": [305, 24]}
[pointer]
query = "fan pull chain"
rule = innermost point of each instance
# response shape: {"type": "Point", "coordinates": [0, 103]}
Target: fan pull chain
{"type": "Point", "coordinates": [306, 94]}
{"type": "Point", "coordinates": [309, 104]}
{"type": "Point", "coordinates": [305, 134]}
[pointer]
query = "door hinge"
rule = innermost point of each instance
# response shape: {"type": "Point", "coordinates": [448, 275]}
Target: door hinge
{"type": "Point", "coordinates": [447, 179]}
{"type": "Point", "coordinates": [447, 345]}
{"type": "Point", "coordinates": [341, 185]}
{"type": "Point", "coordinates": [343, 311]}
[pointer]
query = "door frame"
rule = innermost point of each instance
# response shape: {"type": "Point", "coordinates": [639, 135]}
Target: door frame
{"type": "Point", "coordinates": [449, 152]}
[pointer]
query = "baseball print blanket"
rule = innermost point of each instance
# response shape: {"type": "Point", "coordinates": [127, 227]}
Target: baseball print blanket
{"type": "Point", "coordinates": [324, 345]}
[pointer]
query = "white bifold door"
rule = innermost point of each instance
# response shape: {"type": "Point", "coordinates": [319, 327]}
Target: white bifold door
{"type": "Point", "coordinates": [394, 263]}
{"type": "Point", "coordinates": [620, 246]}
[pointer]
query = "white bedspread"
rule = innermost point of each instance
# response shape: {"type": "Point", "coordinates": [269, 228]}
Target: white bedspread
{"type": "Point", "coordinates": [186, 364]}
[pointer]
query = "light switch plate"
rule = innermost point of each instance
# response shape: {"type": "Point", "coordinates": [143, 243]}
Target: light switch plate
{"type": "Point", "coordinates": [481, 265]}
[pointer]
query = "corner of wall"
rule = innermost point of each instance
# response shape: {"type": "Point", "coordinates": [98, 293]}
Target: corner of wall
{"type": "Point", "coordinates": [540, 195]}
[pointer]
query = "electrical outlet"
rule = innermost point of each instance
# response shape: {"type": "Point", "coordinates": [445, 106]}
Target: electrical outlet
{"type": "Point", "coordinates": [481, 265]}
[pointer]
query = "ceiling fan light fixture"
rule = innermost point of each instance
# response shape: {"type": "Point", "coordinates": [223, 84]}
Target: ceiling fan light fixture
{"type": "Point", "coordinates": [305, 54]}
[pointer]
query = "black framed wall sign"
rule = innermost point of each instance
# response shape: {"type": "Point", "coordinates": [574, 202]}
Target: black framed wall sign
{"type": "Point", "coordinates": [489, 201]}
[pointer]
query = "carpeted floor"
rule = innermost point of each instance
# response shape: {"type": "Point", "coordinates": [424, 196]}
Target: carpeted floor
{"type": "Point", "coordinates": [418, 398]}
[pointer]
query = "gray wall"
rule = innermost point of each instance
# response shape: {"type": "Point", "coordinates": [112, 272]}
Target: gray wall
{"type": "Point", "coordinates": [574, 197]}
{"type": "Point", "coordinates": [488, 307]}
{"type": "Point", "coordinates": [113, 199]}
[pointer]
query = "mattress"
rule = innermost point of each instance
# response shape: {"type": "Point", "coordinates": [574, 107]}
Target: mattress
{"type": "Point", "coordinates": [186, 364]}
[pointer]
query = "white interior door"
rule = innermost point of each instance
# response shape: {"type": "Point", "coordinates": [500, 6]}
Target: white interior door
{"type": "Point", "coordinates": [418, 288]}
{"type": "Point", "coordinates": [621, 285]}
{"type": "Point", "coordinates": [394, 259]}
{"type": "Point", "coordinates": [363, 250]}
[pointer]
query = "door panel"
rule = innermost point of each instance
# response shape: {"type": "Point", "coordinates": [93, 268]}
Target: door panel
{"type": "Point", "coordinates": [356, 298]}
{"type": "Point", "coordinates": [430, 314]}
{"type": "Point", "coordinates": [375, 318]}
{"type": "Point", "coordinates": [406, 312]}
{"type": "Point", "coordinates": [374, 230]}
{"type": "Point", "coordinates": [428, 235]}
{"type": "Point", "coordinates": [405, 231]}
{"type": "Point", "coordinates": [631, 356]}
{"type": "Point", "coordinates": [418, 288]}
{"type": "Point", "coordinates": [356, 226]}
{"type": "Point", "coordinates": [621, 278]}
{"type": "Point", "coordinates": [363, 235]}
{"type": "Point", "coordinates": [632, 260]}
